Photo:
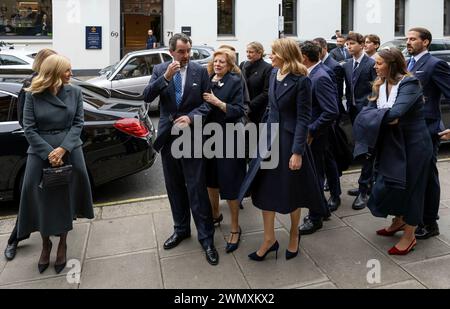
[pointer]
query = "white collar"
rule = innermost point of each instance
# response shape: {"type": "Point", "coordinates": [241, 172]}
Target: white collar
{"type": "Point", "coordinates": [383, 101]}
{"type": "Point", "coordinates": [325, 58]}
{"type": "Point", "coordinates": [311, 68]}
{"type": "Point", "coordinates": [417, 57]}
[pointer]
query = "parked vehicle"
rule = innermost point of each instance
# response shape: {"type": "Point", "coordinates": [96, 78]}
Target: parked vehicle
{"type": "Point", "coordinates": [117, 143]}
{"type": "Point", "coordinates": [436, 45]}
{"type": "Point", "coordinates": [132, 74]}
{"type": "Point", "coordinates": [16, 59]}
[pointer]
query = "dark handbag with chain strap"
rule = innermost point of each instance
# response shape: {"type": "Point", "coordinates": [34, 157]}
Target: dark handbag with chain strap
{"type": "Point", "coordinates": [56, 176]}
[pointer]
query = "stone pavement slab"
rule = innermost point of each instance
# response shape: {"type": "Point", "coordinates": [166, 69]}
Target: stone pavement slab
{"type": "Point", "coordinates": [130, 271]}
{"type": "Point", "coordinates": [367, 225]}
{"type": "Point", "coordinates": [142, 208]}
{"type": "Point", "coordinates": [343, 255]}
{"type": "Point", "coordinates": [57, 283]}
{"type": "Point", "coordinates": [444, 225]}
{"type": "Point", "coordinates": [124, 235]}
{"type": "Point", "coordinates": [3, 243]}
{"type": "Point", "coordinates": [164, 228]}
{"type": "Point", "coordinates": [433, 273]}
{"type": "Point", "coordinates": [24, 266]}
{"type": "Point", "coordinates": [276, 273]}
{"type": "Point", "coordinates": [7, 225]}
{"type": "Point", "coordinates": [321, 286]}
{"type": "Point", "coordinates": [409, 284]}
{"type": "Point", "coordinates": [192, 271]}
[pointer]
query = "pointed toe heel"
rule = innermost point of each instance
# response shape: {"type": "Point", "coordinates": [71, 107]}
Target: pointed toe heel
{"type": "Point", "coordinates": [43, 267]}
{"type": "Point", "coordinates": [255, 257]}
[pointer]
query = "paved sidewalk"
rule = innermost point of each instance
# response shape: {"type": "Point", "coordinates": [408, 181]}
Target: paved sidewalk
{"type": "Point", "coordinates": [122, 248]}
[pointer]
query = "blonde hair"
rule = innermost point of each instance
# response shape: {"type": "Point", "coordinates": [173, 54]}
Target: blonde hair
{"type": "Point", "coordinates": [50, 74]}
{"type": "Point", "coordinates": [257, 47]}
{"type": "Point", "coordinates": [40, 57]}
{"type": "Point", "coordinates": [230, 58]}
{"type": "Point", "coordinates": [288, 51]}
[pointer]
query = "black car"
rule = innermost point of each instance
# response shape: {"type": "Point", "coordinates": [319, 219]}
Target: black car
{"type": "Point", "coordinates": [117, 142]}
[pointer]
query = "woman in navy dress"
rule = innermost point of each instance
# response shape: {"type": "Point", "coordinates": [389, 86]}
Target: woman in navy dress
{"type": "Point", "coordinates": [293, 183]}
{"type": "Point", "coordinates": [226, 173]}
{"type": "Point", "coordinates": [401, 94]}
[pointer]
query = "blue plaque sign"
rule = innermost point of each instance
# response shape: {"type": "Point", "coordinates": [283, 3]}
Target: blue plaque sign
{"type": "Point", "coordinates": [93, 37]}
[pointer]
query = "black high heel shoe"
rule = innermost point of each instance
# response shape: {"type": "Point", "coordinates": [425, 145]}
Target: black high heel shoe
{"type": "Point", "coordinates": [43, 267]}
{"type": "Point", "coordinates": [218, 220]}
{"type": "Point", "coordinates": [255, 257]}
{"type": "Point", "coordinates": [232, 247]}
{"type": "Point", "coordinates": [291, 255]}
{"type": "Point", "coordinates": [60, 267]}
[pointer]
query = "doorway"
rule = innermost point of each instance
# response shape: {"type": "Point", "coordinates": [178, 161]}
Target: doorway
{"type": "Point", "coordinates": [138, 16]}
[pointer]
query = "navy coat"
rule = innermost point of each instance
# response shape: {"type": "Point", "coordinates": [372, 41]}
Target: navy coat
{"type": "Point", "coordinates": [357, 94]}
{"type": "Point", "coordinates": [403, 154]}
{"type": "Point", "coordinates": [280, 189]}
{"type": "Point", "coordinates": [197, 83]}
{"type": "Point", "coordinates": [434, 75]}
{"type": "Point", "coordinates": [226, 173]}
{"type": "Point", "coordinates": [337, 75]}
{"type": "Point", "coordinates": [50, 122]}
{"type": "Point", "coordinates": [324, 106]}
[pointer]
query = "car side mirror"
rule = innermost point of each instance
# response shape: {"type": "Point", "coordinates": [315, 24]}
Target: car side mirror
{"type": "Point", "coordinates": [119, 77]}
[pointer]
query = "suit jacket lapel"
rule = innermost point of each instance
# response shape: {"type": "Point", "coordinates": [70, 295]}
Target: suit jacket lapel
{"type": "Point", "coordinates": [419, 64]}
{"type": "Point", "coordinates": [285, 86]}
{"type": "Point", "coordinates": [360, 68]}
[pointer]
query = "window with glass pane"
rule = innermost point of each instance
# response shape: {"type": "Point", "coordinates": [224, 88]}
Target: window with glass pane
{"type": "Point", "coordinates": [225, 17]}
{"type": "Point", "coordinates": [26, 19]}
{"type": "Point", "coordinates": [400, 17]}
{"type": "Point", "coordinates": [447, 17]}
{"type": "Point", "coordinates": [290, 17]}
{"type": "Point", "coordinates": [347, 16]}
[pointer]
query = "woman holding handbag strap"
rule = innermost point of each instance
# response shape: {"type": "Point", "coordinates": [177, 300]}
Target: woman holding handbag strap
{"type": "Point", "coordinates": [53, 120]}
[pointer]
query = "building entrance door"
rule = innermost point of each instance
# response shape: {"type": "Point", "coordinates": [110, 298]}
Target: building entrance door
{"type": "Point", "coordinates": [138, 16]}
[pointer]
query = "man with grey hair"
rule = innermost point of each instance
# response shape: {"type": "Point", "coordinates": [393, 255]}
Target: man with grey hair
{"type": "Point", "coordinates": [180, 85]}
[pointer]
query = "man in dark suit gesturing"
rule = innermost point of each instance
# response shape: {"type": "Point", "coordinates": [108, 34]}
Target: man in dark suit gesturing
{"type": "Point", "coordinates": [359, 75]}
{"type": "Point", "coordinates": [434, 75]}
{"type": "Point", "coordinates": [180, 86]}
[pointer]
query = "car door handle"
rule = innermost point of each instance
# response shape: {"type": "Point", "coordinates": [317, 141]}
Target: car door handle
{"type": "Point", "coordinates": [20, 131]}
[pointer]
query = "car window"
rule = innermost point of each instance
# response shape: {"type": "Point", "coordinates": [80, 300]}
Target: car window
{"type": "Point", "coordinates": [166, 57]}
{"type": "Point", "coordinates": [437, 46]}
{"type": "Point", "coordinates": [5, 107]}
{"type": "Point", "coordinates": [11, 60]}
{"type": "Point", "coordinates": [140, 66]}
{"type": "Point", "coordinates": [445, 57]}
{"type": "Point", "coordinates": [198, 54]}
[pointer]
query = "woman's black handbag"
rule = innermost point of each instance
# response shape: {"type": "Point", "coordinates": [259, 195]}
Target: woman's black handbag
{"type": "Point", "coordinates": [56, 176]}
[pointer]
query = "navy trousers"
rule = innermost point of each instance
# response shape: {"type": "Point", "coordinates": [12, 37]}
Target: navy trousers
{"type": "Point", "coordinates": [186, 187]}
{"type": "Point", "coordinates": [433, 189]}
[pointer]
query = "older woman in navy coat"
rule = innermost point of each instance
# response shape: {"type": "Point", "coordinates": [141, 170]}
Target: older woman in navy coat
{"type": "Point", "coordinates": [225, 174]}
{"type": "Point", "coordinates": [53, 119]}
{"type": "Point", "coordinates": [293, 183]}
{"type": "Point", "coordinates": [404, 148]}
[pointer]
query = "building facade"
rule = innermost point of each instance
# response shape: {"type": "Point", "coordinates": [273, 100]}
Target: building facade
{"type": "Point", "coordinates": [95, 34]}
